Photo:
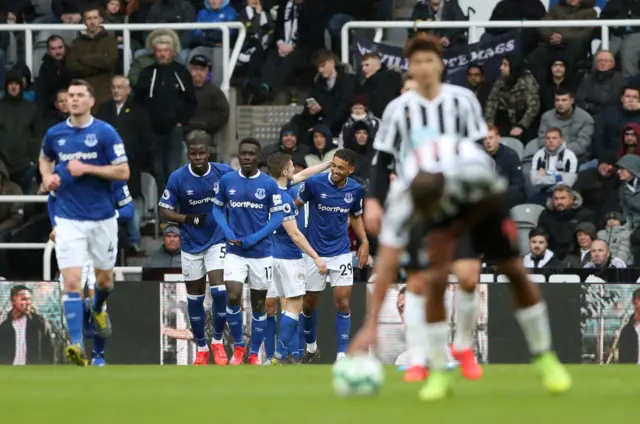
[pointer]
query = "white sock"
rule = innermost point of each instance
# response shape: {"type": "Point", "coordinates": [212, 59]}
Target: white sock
{"type": "Point", "coordinates": [438, 339]}
{"type": "Point", "coordinates": [214, 341]}
{"type": "Point", "coordinates": [416, 328]}
{"type": "Point", "coordinates": [341, 355]}
{"type": "Point", "coordinates": [203, 348]}
{"type": "Point", "coordinates": [312, 347]}
{"type": "Point", "coordinates": [534, 322]}
{"type": "Point", "coordinates": [466, 315]}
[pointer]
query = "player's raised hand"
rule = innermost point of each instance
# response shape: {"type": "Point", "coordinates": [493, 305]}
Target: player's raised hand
{"type": "Point", "coordinates": [51, 182]}
{"type": "Point", "coordinates": [77, 168]}
{"type": "Point", "coordinates": [363, 255]}
{"type": "Point", "coordinates": [372, 216]}
{"type": "Point", "coordinates": [322, 266]}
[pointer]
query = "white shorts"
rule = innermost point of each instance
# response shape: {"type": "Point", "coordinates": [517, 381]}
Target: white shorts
{"type": "Point", "coordinates": [340, 272]}
{"type": "Point", "coordinates": [88, 277]}
{"type": "Point", "coordinates": [288, 278]}
{"type": "Point", "coordinates": [196, 265]}
{"type": "Point", "coordinates": [79, 242]}
{"type": "Point", "coordinates": [258, 271]}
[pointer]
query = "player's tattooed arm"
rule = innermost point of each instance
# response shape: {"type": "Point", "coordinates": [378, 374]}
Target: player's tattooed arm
{"type": "Point", "coordinates": [310, 172]}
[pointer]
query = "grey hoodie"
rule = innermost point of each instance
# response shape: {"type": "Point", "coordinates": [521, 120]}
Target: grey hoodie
{"type": "Point", "coordinates": [630, 191]}
{"type": "Point", "coordinates": [619, 242]}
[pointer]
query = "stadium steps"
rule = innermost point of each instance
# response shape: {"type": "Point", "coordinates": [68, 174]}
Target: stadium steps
{"type": "Point", "coordinates": [264, 122]}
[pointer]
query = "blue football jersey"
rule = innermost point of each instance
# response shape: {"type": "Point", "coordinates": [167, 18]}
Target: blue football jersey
{"type": "Point", "coordinates": [190, 193]}
{"type": "Point", "coordinates": [249, 202]}
{"type": "Point", "coordinates": [329, 210]}
{"type": "Point", "coordinates": [283, 247]}
{"type": "Point", "coordinates": [86, 198]}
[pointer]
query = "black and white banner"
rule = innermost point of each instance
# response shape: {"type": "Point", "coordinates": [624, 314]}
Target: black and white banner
{"type": "Point", "coordinates": [489, 54]}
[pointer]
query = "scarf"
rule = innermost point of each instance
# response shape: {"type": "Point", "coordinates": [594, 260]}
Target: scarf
{"type": "Point", "coordinates": [530, 261]}
{"type": "Point", "coordinates": [291, 22]}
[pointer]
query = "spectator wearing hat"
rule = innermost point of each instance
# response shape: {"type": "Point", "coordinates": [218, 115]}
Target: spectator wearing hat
{"type": "Point", "coordinates": [629, 172]}
{"type": "Point", "coordinates": [585, 234]}
{"type": "Point", "coordinates": [212, 110]}
{"type": "Point", "coordinates": [360, 140]}
{"type": "Point", "coordinates": [617, 237]}
{"type": "Point", "coordinates": [630, 137]}
{"type": "Point", "coordinates": [477, 84]}
{"type": "Point", "coordinates": [288, 144]}
{"type": "Point", "coordinates": [602, 258]}
{"type": "Point", "coordinates": [168, 255]}
{"type": "Point", "coordinates": [322, 149]}
{"type": "Point", "coordinates": [359, 113]}
{"type": "Point", "coordinates": [599, 186]}
{"type": "Point", "coordinates": [507, 164]}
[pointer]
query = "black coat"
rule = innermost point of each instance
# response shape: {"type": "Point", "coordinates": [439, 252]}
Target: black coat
{"type": "Point", "coordinates": [53, 76]}
{"type": "Point", "coordinates": [608, 128]}
{"type": "Point", "coordinates": [310, 25]}
{"type": "Point", "coordinates": [561, 227]}
{"type": "Point", "coordinates": [380, 89]}
{"type": "Point", "coordinates": [508, 165]}
{"type": "Point", "coordinates": [600, 194]}
{"type": "Point", "coordinates": [628, 344]}
{"type": "Point", "coordinates": [134, 127]}
{"type": "Point", "coordinates": [52, 117]}
{"type": "Point", "coordinates": [39, 341]}
{"type": "Point", "coordinates": [451, 12]}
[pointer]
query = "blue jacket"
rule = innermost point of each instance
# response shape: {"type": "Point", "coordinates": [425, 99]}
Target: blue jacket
{"type": "Point", "coordinates": [210, 38]}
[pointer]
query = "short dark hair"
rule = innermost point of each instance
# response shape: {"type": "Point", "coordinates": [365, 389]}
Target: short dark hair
{"type": "Point", "coordinates": [252, 141]}
{"type": "Point", "coordinates": [426, 189]}
{"type": "Point", "coordinates": [91, 7]}
{"type": "Point", "coordinates": [553, 129]}
{"type": "Point", "coordinates": [633, 87]}
{"type": "Point", "coordinates": [423, 42]}
{"type": "Point", "coordinates": [539, 232]}
{"type": "Point", "coordinates": [346, 155]}
{"type": "Point", "coordinates": [476, 66]}
{"type": "Point", "coordinates": [54, 37]}
{"type": "Point", "coordinates": [321, 56]}
{"type": "Point", "coordinates": [198, 138]}
{"type": "Point", "coordinates": [563, 91]}
{"type": "Point", "coordinates": [371, 55]}
{"type": "Point", "coordinates": [76, 82]}
{"type": "Point", "coordinates": [277, 162]}
{"type": "Point", "coordinates": [563, 187]}
{"type": "Point", "coordinates": [17, 289]}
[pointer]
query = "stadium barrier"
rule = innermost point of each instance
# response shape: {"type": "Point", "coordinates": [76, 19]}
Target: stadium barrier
{"type": "Point", "coordinates": [473, 26]}
{"type": "Point", "coordinates": [592, 314]}
{"type": "Point", "coordinates": [230, 56]}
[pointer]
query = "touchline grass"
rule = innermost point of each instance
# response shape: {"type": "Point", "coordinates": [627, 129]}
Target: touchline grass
{"type": "Point", "coordinates": [509, 394]}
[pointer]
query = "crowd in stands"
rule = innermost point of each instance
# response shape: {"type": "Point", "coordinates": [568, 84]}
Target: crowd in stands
{"type": "Point", "coordinates": [564, 123]}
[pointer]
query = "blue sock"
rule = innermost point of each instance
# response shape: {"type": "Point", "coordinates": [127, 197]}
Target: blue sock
{"type": "Point", "coordinates": [88, 329]}
{"type": "Point", "coordinates": [197, 318]}
{"type": "Point", "coordinates": [98, 344]}
{"type": "Point", "coordinates": [270, 337]}
{"type": "Point", "coordinates": [310, 323]}
{"type": "Point", "coordinates": [258, 328]}
{"type": "Point", "coordinates": [295, 341]}
{"type": "Point", "coordinates": [301, 341]}
{"type": "Point", "coordinates": [74, 314]}
{"type": "Point", "coordinates": [288, 332]}
{"type": "Point", "coordinates": [234, 319]}
{"type": "Point", "coordinates": [100, 298]}
{"type": "Point", "coordinates": [343, 328]}
{"type": "Point", "coordinates": [219, 310]}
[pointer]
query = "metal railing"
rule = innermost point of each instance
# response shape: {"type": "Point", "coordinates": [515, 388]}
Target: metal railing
{"type": "Point", "coordinates": [230, 57]}
{"type": "Point", "coordinates": [473, 26]}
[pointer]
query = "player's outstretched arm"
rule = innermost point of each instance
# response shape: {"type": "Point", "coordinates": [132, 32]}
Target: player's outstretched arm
{"type": "Point", "coordinates": [310, 172]}
{"type": "Point", "coordinates": [291, 227]}
{"type": "Point", "coordinates": [274, 222]}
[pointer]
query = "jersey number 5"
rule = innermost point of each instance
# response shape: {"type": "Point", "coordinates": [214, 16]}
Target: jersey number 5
{"type": "Point", "coordinates": [223, 252]}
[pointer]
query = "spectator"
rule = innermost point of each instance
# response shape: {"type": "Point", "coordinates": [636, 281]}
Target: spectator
{"type": "Point", "coordinates": [11, 215]}
{"type": "Point", "coordinates": [343, 11]}
{"type": "Point", "coordinates": [170, 41]}
{"type": "Point", "coordinates": [168, 255]}
{"type": "Point", "coordinates": [359, 113]}
{"type": "Point", "coordinates": [436, 11]}
{"type": "Point", "coordinates": [576, 124]}
{"type": "Point", "coordinates": [629, 346]}
{"type": "Point", "coordinates": [629, 171]}
{"type": "Point", "coordinates": [617, 237]}
{"type": "Point", "coordinates": [60, 113]}
{"type": "Point", "coordinates": [569, 43]}
{"type": "Point", "coordinates": [20, 133]}
{"type": "Point", "coordinates": [93, 56]}
{"type": "Point", "coordinates": [601, 257]}
{"type": "Point", "coordinates": [564, 211]}
{"type": "Point", "coordinates": [611, 121]}
{"type": "Point", "coordinates": [259, 26]}
{"type": "Point", "coordinates": [166, 90]}
{"type": "Point", "coordinates": [585, 235]}
{"type": "Point", "coordinates": [114, 12]}
{"type": "Point", "coordinates": [408, 83]}
{"type": "Point", "coordinates": [624, 40]}
{"type": "Point", "coordinates": [333, 88]}
{"type": "Point", "coordinates": [212, 110]}
{"type": "Point", "coordinates": [288, 144]}
{"type": "Point", "coordinates": [507, 165]}
{"type": "Point", "coordinates": [513, 103]}
{"type": "Point", "coordinates": [53, 75]}
{"type": "Point", "coordinates": [553, 164]}
{"type": "Point", "coordinates": [380, 85]}
{"type": "Point", "coordinates": [599, 187]}
{"type": "Point", "coordinates": [630, 136]}
{"type": "Point", "coordinates": [298, 32]}
{"type": "Point", "coordinates": [517, 10]}
{"type": "Point", "coordinates": [173, 12]}
{"type": "Point", "coordinates": [601, 88]}
{"type": "Point", "coordinates": [360, 140]}
{"type": "Point", "coordinates": [214, 11]}
{"type": "Point", "coordinates": [133, 125]}
{"type": "Point", "coordinates": [70, 11]}
{"type": "Point", "coordinates": [476, 83]}
{"type": "Point", "coordinates": [322, 149]}
{"type": "Point", "coordinates": [28, 90]}
{"type": "Point", "coordinates": [25, 335]}
{"type": "Point", "coordinates": [557, 79]}
{"type": "Point", "coordinates": [539, 255]}
{"type": "Point", "coordinates": [36, 11]}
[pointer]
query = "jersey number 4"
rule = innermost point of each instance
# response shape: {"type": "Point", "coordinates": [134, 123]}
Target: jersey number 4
{"type": "Point", "coordinates": [110, 249]}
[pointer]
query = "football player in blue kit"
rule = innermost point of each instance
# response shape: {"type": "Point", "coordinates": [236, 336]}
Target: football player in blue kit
{"type": "Point", "coordinates": [255, 209]}
{"type": "Point", "coordinates": [86, 223]}
{"type": "Point", "coordinates": [288, 265]}
{"type": "Point", "coordinates": [187, 200]}
{"type": "Point", "coordinates": [333, 199]}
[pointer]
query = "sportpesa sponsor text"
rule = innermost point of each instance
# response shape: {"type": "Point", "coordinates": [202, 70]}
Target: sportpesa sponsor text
{"type": "Point", "coordinates": [65, 157]}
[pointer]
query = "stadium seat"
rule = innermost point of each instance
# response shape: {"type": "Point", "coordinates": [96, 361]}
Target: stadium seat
{"type": "Point", "coordinates": [150, 196]}
{"type": "Point", "coordinates": [530, 149]}
{"type": "Point", "coordinates": [526, 218]}
{"type": "Point", "coordinates": [515, 144]}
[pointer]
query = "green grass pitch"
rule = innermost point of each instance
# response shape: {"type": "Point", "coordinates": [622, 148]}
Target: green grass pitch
{"type": "Point", "coordinates": [302, 394]}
